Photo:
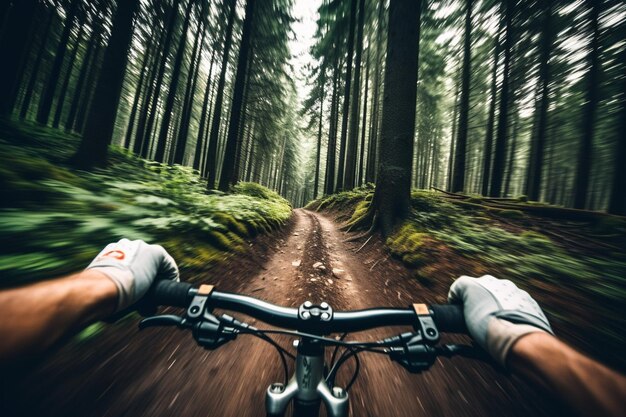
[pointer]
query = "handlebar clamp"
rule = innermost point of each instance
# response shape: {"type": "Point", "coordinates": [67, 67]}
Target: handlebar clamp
{"type": "Point", "coordinates": [312, 312]}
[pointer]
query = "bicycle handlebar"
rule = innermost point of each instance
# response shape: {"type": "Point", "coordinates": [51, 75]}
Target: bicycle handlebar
{"type": "Point", "coordinates": [447, 317]}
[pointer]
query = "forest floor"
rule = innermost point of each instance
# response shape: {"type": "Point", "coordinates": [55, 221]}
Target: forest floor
{"type": "Point", "coordinates": [161, 372]}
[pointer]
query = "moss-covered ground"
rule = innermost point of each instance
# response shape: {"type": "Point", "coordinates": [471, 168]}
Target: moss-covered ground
{"type": "Point", "coordinates": [54, 220]}
{"type": "Point", "coordinates": [577, 268]}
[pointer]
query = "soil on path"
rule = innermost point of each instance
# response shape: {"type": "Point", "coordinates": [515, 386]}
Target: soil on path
{"type": "Point", "coordinates": [161, 372]}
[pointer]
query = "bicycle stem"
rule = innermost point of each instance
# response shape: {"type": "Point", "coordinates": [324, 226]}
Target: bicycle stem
{"type": "Point", "coordinates": [307, 387]}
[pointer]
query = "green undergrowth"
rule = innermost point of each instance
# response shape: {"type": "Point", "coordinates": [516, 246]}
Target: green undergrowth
{"type": "Point", "coordinates": [54, 220]}
{"type": "Point", "coordinates": [521, 253]}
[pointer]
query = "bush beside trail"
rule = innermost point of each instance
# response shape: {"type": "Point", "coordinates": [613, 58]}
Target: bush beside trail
{"type": "Point", "coordinates": [54, 219]}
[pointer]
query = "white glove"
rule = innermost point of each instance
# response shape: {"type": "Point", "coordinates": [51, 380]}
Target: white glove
{"type": "Point", "coordinates": [133, 266]}
{"type": "Point", "coordinates": [497, 313]}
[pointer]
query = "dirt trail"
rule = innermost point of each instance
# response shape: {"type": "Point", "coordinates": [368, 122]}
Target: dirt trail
{"type": "Point", "coordinates": [161, 372]}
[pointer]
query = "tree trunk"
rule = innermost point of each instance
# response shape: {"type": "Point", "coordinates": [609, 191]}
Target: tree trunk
{"type": "Point", "coordinates": [497, 174]}
{"type": "Point", "coordinates": [453, 137]}
{"type": "Point", "coordinates": [585, 150]}
{"type": "Point", "coordinates": [85, 103]}
{"type": "Point", "coordinates": [197, 158]}
{"type": "Point", "coordinates": [244, 115]}
{"type": "Point", "coordinates": [192, 77]}
{"type": "Point", "coordinates": [151, 111]}
{"type": "Point", "coordinates": [100, 122]}
{"type": "Point", "coordinates": [319, 142]}
{"type": "Point", "coordinates": [168, 108]}
{"type": "Point", "coordinates": [211, 158]}
{"type": "Point", "coordinates": [329, 185]}
{"type": "Point", "coordinates": [370, 170]}
{"type": "Point", "coordinates": [353, 137]}
{"type": "Point", "coordinates": [229, 176]}
{"type": "Point", "coordinates": [32, 80]}
{"type": "Point", "coordinates": [47, 97]}
{"type": "Point", "coordinates": [141, 86]}
{"type": "Point", "coordinates": [88, 61]}
{"type": "Point", "coordinates": [364, 124]}
{"type": "Point", "coordinates": [491, 117]}
{"type": "Point", "coordinates": [392, 198]}
{"type": "Point", "coordinates": [149, 95]}
{"type": "Point", "coordinates": [346, 99]}
{"type": "Point", "coordinates": [66, 81]}
{"type": "Point", "coordinates": [13, 44]}
{"type": "Point", "coordinates": [537, 145]}
{"type": "Point", "coordinates": [458, 176]}
{"type": "Point", "coordinates": [511, 163]}
{"type": "Point", "coordinates": [617, 198]}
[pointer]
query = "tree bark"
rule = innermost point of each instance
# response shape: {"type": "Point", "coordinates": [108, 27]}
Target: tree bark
{"type": "Point", "coordinates": [370, 170]}
{"type": "Point", "coordinates": [88, 61]}
{"type": "Point", "coordinates": [100, 122]}
{"type": "Point", "coordinates": [192, 78]}
{"type": "Point", "coordinates": [392, 197]}
{"type": "Point", "coordinates": [151, 111]}
{"type": "Point", "coordinates": [141, 86]}
{"type": "Point", "coordinates": [329, 184]}
{"type": "Point", "coordinates": [537, 144]}
{"type": "Point", "coordinates": [353, 136]}
{"type": "Point", "coordinates": [47, 97]}
{"type": "Point", "coordinates": [585, 150]}
{"type": "Point", "coordinates": [30, 87]}
{"type": "Point", "coordinates": [228, 176]}
{"type": "Point", "coordinates": [364, 124]}
{"type": "Point", "coordinates": [197, 158]}
{"type": "Point", "coordinates": [617, 198]}
{"type": "Point", "coordinates": [12, 48]}
{"type": "Point", "coordinates": [458, 176]}
{"type": "Point", "coordinates": [491, 117]}
{"type": "Point", "coordinates": [319, 142]}
{"type": "Point", "coordinates": [453, 137]}
{"type": "Point", "coordinates": [168, 108]}
{"type": "Point", "coordinates": [211, 158]}
{"type": "Point", "coordinates": [346, 99]}
{"type": "Point", "coordinates": [66, 81]}
{"type": "Point", "coordinates": [497, 174]}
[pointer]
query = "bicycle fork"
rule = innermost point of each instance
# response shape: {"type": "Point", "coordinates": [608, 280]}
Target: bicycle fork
{"type": "Point", "coordinates": [307, 388]}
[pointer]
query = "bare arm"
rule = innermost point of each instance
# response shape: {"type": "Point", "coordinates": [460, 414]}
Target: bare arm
{"type": "Point", "coordinates": [587, 386]}
{"type": "Point", "coordinates": [35, 316]}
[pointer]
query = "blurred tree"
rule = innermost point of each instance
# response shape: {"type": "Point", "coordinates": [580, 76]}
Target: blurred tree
{"type": "Point", "coordinates": [497, 175]}
{"type": "Point", "coordinates": [100, 122]}
{"type": "Point", "coordinates": [588, 119]}
{"type": "Point", "coordinates": [391, 201]}
{"type": "Point", "coordinates": [458, 173]}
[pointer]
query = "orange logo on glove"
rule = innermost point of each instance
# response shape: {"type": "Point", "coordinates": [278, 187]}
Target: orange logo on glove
{"type": "Point", "coordinates": [115, 254]}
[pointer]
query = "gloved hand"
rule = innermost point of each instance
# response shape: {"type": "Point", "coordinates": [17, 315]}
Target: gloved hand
{"type": "Point", "coordinates": [133, 266]}
{"type": "Point", "coordinates": [497, 313]}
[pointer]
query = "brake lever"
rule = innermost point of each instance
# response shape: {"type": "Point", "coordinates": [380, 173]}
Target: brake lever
{"type": "Point", "coordinates": [465, 351]}
{"type": "Point", "coordinates": [415, 355]}
{"type": "Point", "coordinates": [162, 320]}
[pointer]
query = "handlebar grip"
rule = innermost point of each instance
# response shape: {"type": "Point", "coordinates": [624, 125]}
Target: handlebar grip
{"type": "Point", "coordinates": [449, 318]}
{"type": "Point", "coordinates": [170, 293]}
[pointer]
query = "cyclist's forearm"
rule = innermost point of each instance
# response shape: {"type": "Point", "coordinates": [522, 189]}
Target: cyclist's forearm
{"type": "Point", "coordinates": [35, 316]}
{"type": "Point", "coordinates": [584, 384]}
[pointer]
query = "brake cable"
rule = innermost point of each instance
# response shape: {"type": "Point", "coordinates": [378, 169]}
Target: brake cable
{"type": "Point", "coordinates": [332, 359]}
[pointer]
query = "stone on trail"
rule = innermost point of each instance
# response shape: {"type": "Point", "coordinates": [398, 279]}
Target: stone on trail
{"type": "Point", "coordinates": [296, 263]}
{"type": "Point", "coordinates": [339, 273]}
{"type": "Point", "coordinates": [318, 265]}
